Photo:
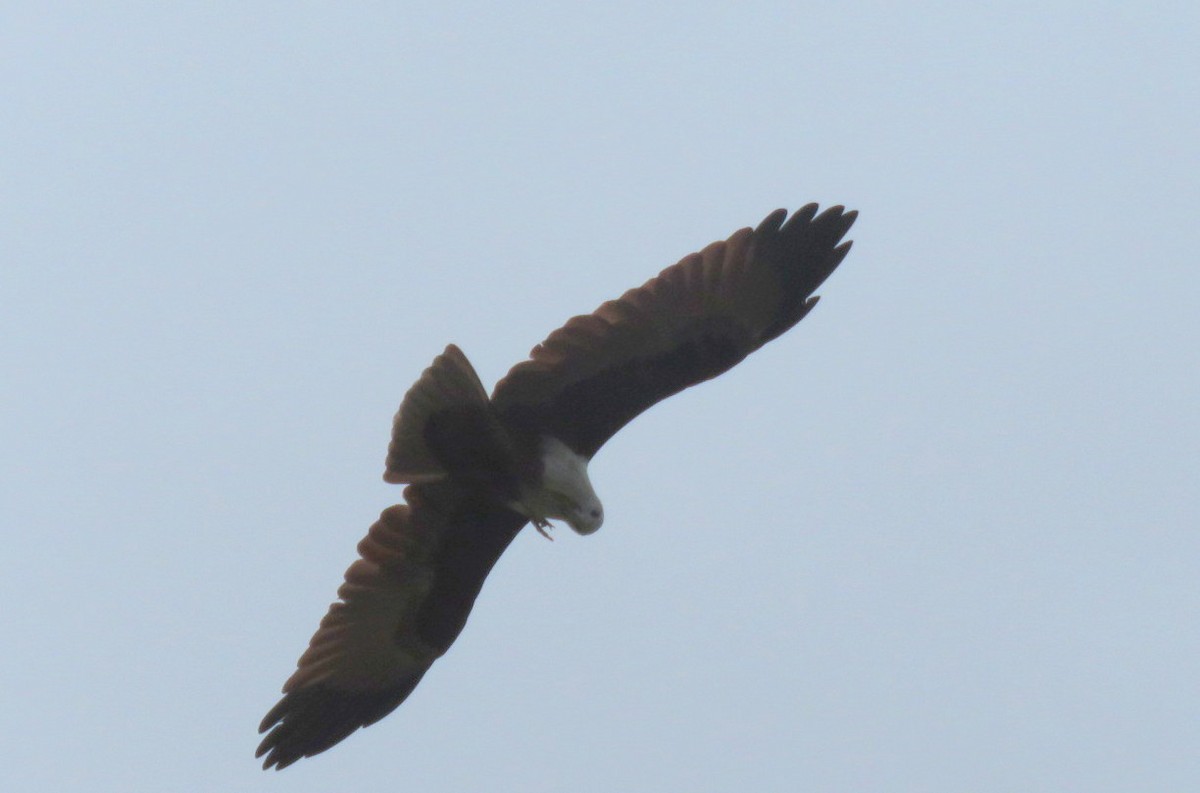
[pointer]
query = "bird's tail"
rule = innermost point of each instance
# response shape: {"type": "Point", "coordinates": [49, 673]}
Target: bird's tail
{"type": "Point", "coordinates": [447, 395]}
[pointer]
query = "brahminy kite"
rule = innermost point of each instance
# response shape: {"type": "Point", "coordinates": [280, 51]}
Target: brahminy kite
{"type": "Point", "coordinates": [478, 469]}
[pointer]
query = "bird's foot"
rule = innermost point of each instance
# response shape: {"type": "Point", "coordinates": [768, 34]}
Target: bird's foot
{"type": "Point", "coordinates": [543, 526]}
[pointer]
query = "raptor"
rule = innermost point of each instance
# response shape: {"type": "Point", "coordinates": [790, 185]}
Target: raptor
{"type": "Point", "coordinates": [480, 468]}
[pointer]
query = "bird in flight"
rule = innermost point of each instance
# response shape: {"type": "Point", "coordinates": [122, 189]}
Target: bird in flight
{"type": "Point", "coordinates": [479, 469]}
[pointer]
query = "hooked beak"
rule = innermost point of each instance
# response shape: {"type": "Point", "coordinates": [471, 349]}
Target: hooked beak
{"type": "Point", "coordinates": [586, 520]}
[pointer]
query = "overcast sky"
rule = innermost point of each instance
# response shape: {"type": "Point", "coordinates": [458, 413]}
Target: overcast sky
{"type": "Point", "coordinates": [943, 536]}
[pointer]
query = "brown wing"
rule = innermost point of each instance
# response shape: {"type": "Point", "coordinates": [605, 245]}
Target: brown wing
{"type": "Point", "coordinates": [401, 607]}
{"type": "Point", "coordinates": [695, 320]}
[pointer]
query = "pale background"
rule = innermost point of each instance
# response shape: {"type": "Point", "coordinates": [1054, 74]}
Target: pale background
{"type": "Point", "coordinates": [941, 537]}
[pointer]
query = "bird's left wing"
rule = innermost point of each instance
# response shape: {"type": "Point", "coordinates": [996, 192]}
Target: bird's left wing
{"type": "Point", "coordinates": [402, 605]}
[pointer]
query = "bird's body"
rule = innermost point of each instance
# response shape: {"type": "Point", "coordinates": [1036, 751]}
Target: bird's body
{"type": "Point", "coordinates": [479, 469]}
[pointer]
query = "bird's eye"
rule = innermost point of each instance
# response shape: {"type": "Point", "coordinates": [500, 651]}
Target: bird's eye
{"type": "Point", "coordinates": [595, 513]}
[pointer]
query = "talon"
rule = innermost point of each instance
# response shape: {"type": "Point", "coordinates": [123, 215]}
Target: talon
{"type": "Point", "coordinates": [543, 527]}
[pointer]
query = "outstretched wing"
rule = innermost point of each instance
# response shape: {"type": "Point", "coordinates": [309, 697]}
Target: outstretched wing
{"type": "Point", "coordinates": [401, 607]}
{"type": "Point", "coordinates": [695, 320]}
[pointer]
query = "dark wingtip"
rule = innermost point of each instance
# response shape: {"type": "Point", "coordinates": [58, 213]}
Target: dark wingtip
{"type": "Point", "coordinates": [773, 221]}
{"type": "Point", "coordinates": [801, 217]}
{"type": "Point", "coordinates": [309, 720]}
{"type": "Point", "coordinates": [840, 252]}
{"type": "Point", "coordinates": [806, 251]}
{"type": "Point", "coordinates": [273, 715]}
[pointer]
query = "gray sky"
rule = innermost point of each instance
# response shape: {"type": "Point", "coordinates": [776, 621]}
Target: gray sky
{"type": "Point", "coordinates": [941, 537]}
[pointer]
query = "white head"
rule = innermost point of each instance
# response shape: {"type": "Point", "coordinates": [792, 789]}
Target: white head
{"type": "Point", "coordinates": [566, 492]}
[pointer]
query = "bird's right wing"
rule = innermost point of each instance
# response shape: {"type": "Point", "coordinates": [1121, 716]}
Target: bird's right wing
{"type": "Point", "coordinates": [401, 607]}
{"type": "Point", "coordinates": [695, 320]}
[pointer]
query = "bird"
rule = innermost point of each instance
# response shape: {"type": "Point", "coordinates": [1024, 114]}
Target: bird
{"type": "Point", "coordinates": [478, 469]}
